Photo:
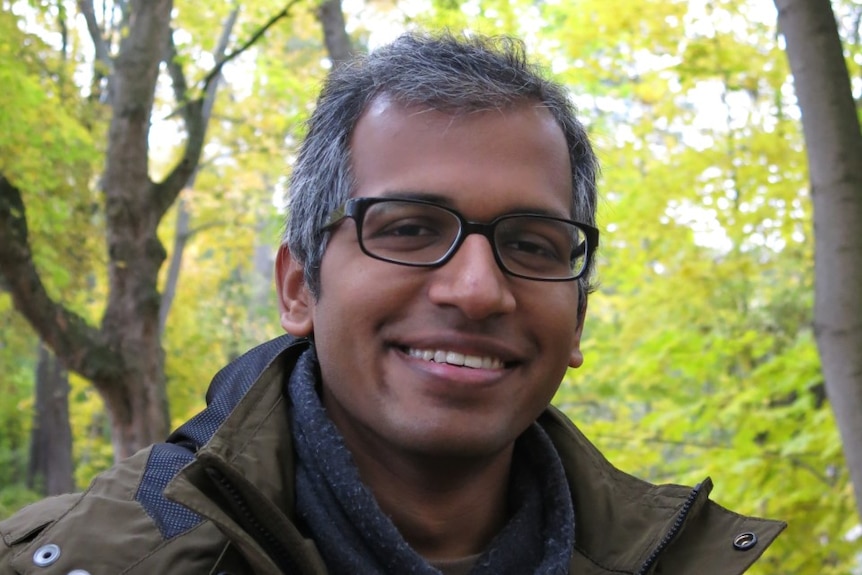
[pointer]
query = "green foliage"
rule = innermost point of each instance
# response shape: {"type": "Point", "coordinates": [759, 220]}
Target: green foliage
{"type": "Point", "coordinates": [47, 150]}
{"type": "Point", "coordinates": [33, 118]}
{"type": "Point", "coordinates": [700, 360]}
{"type": "Point", "coordinates": [14, 498]}
{"type": "Point", "coordinates": [91, 447]}
{"type": "Point", "coordinates": [17, 356]}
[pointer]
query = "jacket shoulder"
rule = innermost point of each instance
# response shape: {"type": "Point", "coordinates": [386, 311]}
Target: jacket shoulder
{"type": "Point", "coordinates": [718, 541]}
{"type": "Point", "coordinates": [122, 524]}
{"type": "Point", "coordinates": [630, 525]}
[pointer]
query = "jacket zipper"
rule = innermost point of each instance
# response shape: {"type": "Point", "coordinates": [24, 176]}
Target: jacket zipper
{"type": "Point", "coordinates": [270, 543]}
{"type": "Point", "coordinates": [672, 533]}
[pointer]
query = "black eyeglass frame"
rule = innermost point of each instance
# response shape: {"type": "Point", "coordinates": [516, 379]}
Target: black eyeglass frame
{"type": "Point", "coordinates": [356, 208]}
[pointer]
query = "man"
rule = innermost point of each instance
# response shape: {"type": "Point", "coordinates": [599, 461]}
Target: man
{"type": "Point", "coordinates": [434, 283]}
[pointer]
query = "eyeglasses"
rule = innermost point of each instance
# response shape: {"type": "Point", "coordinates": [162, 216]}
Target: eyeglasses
{"type": "Point", "coordinates": [424, 234]}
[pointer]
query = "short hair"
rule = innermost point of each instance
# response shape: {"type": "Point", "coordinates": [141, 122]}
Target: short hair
{"type": "Point", "coordinates": [445, 73]}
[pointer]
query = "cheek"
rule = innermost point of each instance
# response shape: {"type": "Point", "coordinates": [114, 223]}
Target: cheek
{"type": "Point", "coordinates": [557, 308]}
{"type": "Point", "coordinates": [560, 325]}
{"type": "Point", "coordinates": [347, 320]}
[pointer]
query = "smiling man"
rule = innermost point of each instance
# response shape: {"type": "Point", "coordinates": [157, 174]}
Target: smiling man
{"type": "Point", "coordinates": [433, 282]}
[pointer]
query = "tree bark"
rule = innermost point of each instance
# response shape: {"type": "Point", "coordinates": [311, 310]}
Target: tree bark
{"type": "Point", "coordinates": [137, 403]}
{"type": "Point", "coordinates": [834, 148]}
{"type": "Point", "coordinates": [335, 35]}
{"type": "Point", "coordinates": [50, 467]}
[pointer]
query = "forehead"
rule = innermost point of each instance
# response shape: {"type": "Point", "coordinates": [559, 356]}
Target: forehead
{"type": "Point", "coordinates": [510, 158]}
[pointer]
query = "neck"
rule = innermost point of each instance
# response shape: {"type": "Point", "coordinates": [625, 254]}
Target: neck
{"type": "Point", "coordinates": [445, 508]}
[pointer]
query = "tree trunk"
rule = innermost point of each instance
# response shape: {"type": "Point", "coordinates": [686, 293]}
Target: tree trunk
{"type": "Point", "coordinates": [137, 402]}
{"type": "Point", "coordinates": [50, 468]}
{"type": "Point", "coordinates": [137, 407]}
{"type": "Point", "coordinates": [123, 357]}
{"type": "Point", "coordinates": [834, 147]}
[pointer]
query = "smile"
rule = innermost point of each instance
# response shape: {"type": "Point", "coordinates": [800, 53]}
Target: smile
{"type": "Point", "coordinates": [455, 358]}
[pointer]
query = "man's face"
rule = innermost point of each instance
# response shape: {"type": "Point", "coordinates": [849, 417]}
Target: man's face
{"type": "Point", "coordinates": [375, 323]}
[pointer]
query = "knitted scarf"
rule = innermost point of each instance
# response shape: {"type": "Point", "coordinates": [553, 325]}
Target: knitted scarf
{"type": "Point", "coordinates": [355, 536]}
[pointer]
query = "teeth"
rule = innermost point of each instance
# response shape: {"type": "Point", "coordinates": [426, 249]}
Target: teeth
{"type": "Point", "coordinates": [455, 358]}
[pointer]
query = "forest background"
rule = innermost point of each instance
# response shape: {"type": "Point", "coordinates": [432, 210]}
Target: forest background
{"type": "Point", "coordinates": [700, 347]}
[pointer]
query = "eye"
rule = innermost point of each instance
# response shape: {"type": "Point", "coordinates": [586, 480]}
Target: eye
{"type": "Point", "coordinates": [408, 234]}
{"type": "Point", "coordinates": [536, 245]}
{"type": "Point", "coordinates": [531, 245]}
{"type": "Point", "coordinates": [408, 228]}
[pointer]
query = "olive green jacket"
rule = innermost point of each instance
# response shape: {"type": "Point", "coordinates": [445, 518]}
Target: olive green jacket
{"type": "Point", "coordinates": [218, 498]}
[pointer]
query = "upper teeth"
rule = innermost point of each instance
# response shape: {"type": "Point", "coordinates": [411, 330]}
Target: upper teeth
{"type": "Point", "coordinates": [455, 358]}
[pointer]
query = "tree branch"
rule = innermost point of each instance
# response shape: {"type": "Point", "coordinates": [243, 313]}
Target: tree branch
{"type": "Point", "coordinates": [178, 77]}
{"type": "Point", "coordinates": [192, 232]}
{"type": "Point", "coordinates": [76, 343]}
{"type": "Point", "coordinates": [218, 53]}
{"type": "Point", "coordinates": [335, 35]}
{"type": "Point", "coordinates": [197, 115]}
{"type": "Point", "coordinates": [208, 79]}
{"type": "Point", "coordinates": [169, 291]}
{"type": "Point", "coordinates": [197, 125]}
{"type": "Point", "coordinates": [822, 477]}
{"type": "Point", "coordinates": [102, 54]}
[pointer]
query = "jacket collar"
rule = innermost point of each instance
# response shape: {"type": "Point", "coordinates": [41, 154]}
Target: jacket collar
{"type": "Point", "coordinates": [242, 475]}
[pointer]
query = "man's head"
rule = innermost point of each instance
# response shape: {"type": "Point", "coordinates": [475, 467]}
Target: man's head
{"type": "Point", "coordinates": [444, 73]}
{"type": "Point", "coordinates": [423, 350]}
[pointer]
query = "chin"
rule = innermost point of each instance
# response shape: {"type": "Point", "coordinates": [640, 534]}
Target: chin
{"type": "Point", "coordinates": [442, 443]}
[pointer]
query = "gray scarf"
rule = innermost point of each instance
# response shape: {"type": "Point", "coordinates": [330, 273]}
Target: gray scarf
{"type": "Point", "coordinates": [355, 537]}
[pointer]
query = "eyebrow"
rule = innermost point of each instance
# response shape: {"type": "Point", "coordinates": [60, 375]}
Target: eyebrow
{"type": "Point", "coordinates": [447, 202]}
{"type": "Point", "coordinates": [418, 195]}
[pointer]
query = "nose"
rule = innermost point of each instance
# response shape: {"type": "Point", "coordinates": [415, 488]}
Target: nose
{"type": "Point", "coordinates": [472, 281]}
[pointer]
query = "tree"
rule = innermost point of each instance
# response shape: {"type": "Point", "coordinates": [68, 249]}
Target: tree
{"type": "Point", "coordinates": [122, 356]}
{"type": "Point", "coordinates": [834, 147]}
{"type": "Point", "coordinates": [50, 465]}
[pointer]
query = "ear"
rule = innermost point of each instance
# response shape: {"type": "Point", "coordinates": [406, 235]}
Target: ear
{"type": "Point", "coordinates": [295, 303]}
{"type": "Point", "coordinates": [576, 359]}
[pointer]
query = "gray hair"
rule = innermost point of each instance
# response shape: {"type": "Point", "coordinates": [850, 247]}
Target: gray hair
{"type": "Point", "coordinates": [445, 73]}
